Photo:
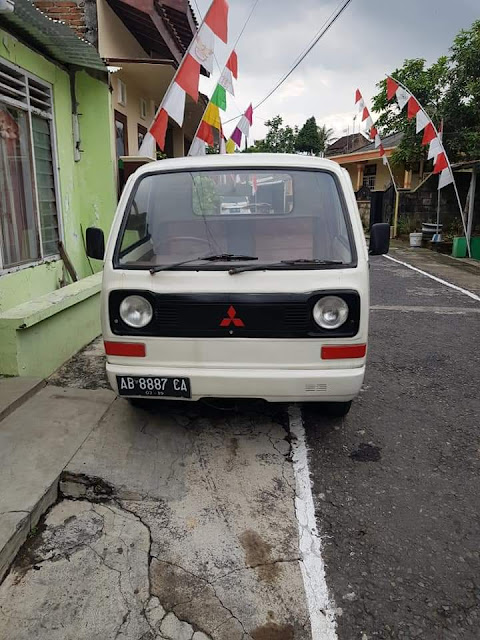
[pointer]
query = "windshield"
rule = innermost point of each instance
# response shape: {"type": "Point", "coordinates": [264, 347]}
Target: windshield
{"type": "Point", "coordinates": [260, 214]}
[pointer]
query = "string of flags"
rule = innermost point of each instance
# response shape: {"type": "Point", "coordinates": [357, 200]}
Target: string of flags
{"type": "Point", "coordinates": [431, 137]}
{"type": "Point", "coordinates": [242, 129]}
{"type": "Point", "coordinates": [211, 118]}
{"type": "Point", "coordinates": [372, 129]}
{"type": "Point", "coordinates": [200, 53]}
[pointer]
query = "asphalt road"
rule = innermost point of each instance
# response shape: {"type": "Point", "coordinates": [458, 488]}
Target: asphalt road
{"type": "Point", "coordinates": [187, 522]}
{"type": "Point", "coordinates": [396, 485]}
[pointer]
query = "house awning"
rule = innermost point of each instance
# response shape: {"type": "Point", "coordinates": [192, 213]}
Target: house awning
{"type": "Point", "coordinates": [55, 39]}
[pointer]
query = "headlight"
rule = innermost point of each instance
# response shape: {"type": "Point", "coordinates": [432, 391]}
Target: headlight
{"type": "Point", "coordinates": [136, 311]}
{"type": "Point", "coordinates": [330, 312]}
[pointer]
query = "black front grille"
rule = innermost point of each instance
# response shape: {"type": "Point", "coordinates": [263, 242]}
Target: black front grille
{"type": "Point", "coordinates": [235, 315]}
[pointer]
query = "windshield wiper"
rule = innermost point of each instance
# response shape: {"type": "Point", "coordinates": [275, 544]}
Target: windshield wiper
{"type": "Point", "coordinates": [221, 257]}
{"type": "Point", "coordinates": [293, 263]}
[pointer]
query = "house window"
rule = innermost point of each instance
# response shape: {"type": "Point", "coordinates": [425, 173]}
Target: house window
{"type": "Point", "coordinates": [369, 176]}
{"type": "Point", "coordinates": [143, 109]}
{"type": "Point", "coordinates": [29, 224]}
{"type": "Point", "coordinates": [141, 132]}
{"type": "Point", "coordinates": [122, 93]}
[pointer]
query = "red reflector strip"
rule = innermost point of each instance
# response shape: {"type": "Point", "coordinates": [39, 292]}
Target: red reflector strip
{"type": "Point", "coordinates": [341, 352]}
{"type": "Point", "coordinates": [130, 349]}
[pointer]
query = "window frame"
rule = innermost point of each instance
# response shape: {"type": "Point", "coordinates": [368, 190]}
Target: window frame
{"type": "Point", "coordinates": [29, 109]}
{"type": "Point", "coordinates": [117, 250]}
{"type": "Point", "coordinates": [122, 93]}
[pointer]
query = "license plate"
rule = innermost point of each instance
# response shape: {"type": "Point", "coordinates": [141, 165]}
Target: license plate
{"type": "Point", "coordinates": [154, 387]}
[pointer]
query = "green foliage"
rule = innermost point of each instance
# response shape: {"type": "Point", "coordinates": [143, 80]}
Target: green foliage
{"type": "Point", "coordinates": [205, 196]}
{"type": "Point", "coordinates": [461, 104]}
{"type": "Point", "coordinates": [285, 139]}
{"type": "Point", "coordinates": [308, 139]}
{"type": "Point", "coordinates": [448, 89]}
{"type": "Point", "coordinates": [279, 139]}
{"type": "Point", "coordinates": [326, 136]}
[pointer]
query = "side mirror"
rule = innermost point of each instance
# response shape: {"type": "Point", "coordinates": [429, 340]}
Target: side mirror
{"type": "Point", "coordinates": [95, 243]}
{"type": "Point", "coordinates": [379, 239]}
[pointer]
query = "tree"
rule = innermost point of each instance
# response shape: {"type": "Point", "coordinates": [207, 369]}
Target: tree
{"type": "Point", "coordinates": [279, 139]}
{"type": "Point", "coordinates": [428, 85]}
{"type": "Point", "coordinates": [450, 90]}
{"type": "Point", "coordinates": [461, 104]}
{"type": "Point", "coordinates": [326, 136]}
{"type": "Point", "coordinates": [308, 139]}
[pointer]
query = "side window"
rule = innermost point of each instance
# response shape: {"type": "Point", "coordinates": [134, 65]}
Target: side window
{"type": "Point", "coordinates": [29, 221]}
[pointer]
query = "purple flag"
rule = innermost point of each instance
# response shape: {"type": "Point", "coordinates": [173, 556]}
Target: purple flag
{"type": "Point", "coordinates": [237, 137]}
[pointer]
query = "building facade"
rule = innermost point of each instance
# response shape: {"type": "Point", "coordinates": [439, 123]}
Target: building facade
{"type": "Point", "coordinates": [142, 43]}
{"type": "Point", "coordinates": [57, 177]}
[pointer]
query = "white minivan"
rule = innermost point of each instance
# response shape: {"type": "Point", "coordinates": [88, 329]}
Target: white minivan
{"type": "Point", "coordinates": [237, 276]}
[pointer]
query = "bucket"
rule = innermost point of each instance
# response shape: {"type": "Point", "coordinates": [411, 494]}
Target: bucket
{"type": "Point", "coordinates": [415, 239]}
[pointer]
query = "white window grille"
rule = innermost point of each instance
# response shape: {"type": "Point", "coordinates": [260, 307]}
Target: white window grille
{"type": "Point", "coordinates": [29, 216]}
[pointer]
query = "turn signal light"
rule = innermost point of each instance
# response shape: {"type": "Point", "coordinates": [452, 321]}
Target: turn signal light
{"type": "Point", "coordinates": [129, 349]}
{"type": "Point", "coordinates": [341, 352]}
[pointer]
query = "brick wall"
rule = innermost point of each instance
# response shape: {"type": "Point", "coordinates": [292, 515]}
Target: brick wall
{"type": "Point", "coordinates": [71, 12]}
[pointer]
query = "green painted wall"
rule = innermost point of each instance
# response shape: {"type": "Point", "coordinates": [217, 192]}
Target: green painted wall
{"type": "Point", "coordinates": [87, 187]}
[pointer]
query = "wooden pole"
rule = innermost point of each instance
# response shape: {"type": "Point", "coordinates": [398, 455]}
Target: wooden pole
{"type": "Point", "coordinates": [471, 203]}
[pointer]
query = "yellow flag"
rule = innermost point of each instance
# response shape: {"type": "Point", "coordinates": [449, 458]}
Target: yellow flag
{"type": "Point", "coordinates": [212, 116]}
{"type": "Point", "coordinates": [230, 146]}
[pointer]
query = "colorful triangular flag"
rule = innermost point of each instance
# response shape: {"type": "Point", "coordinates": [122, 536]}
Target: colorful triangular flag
{"type": "Point", "coordinates": [422, 120]}
{"type": "Point", "coordinates": [219, 97]}
{"type": "Point", "coordinates": [446, 177]}
{"type": "Point", "coordinates": [429, 134]}
{"type": "Point", "coordinates": [392, 87]}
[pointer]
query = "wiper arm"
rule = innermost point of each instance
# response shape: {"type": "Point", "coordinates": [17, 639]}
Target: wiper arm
{"type": "Point", "coordinates": [221, 257]}
{"type": "Point", "coordinates": [298, 261]}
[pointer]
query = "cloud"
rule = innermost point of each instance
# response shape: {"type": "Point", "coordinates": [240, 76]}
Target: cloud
{"type": "Point", "coordinates": [368, 41]}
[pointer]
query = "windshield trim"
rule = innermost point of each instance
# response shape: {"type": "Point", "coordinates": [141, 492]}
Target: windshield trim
{"type": "Point", "coordinates": [225, 267]}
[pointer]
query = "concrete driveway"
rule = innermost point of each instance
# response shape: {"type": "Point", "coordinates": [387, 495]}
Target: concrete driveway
{"type": "Point", "coordinates": [195, 521]}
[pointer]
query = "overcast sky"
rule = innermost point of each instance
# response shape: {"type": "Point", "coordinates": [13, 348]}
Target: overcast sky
{"type": "Point", "coordinates": [369, 40]}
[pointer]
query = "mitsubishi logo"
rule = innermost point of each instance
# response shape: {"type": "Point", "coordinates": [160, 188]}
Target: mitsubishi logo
{"type": "Point", "coordinates": [231, 313]}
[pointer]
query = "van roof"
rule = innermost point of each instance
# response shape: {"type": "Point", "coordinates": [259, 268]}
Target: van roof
{"type": "Point", "coordinates": [239, 160]}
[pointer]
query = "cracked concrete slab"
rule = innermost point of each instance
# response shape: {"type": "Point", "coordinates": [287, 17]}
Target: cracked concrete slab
{"type": "Point", "coordinates": [207, 499]}
{"type": "Point", "coordinates": [36, 442]}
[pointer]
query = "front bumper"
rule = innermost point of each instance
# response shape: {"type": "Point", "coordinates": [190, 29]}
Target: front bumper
{"type": "Point", "coordinates": [273, 385]}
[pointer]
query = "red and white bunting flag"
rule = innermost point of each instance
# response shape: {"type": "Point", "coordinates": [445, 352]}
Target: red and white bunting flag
{"type": "Point", "coordinates": [402, 97]}
{"type": "Point", "coordinates": [429, 134]}
{"type": "Point", "coordinates": [203, 47]}
{"type": "Point", "coordinates": [441, 163]}
{"type": "Point", "coordinates": [358, 96]}
{"type": "Point", "coordinates": [174, 103]}
{"type": "Point", "coordinates": [186, 80]}
{"type": "Point", "coordinates": [373, 132]}
{"type": "Point", "coordinates": [369, 122]}
{"type": "Point", "coordinates": [381, 150]}
{"type": "Point", "coordinates": [422, 120]}
{"type": "Point", "coordinates": [198, 148]}
{"type": "Point", "coordinates": [226, 81]}
{"type": "Point", "coordinates": [446, 178]}
{"type": "Point", "coordinates": [365, 113]}
{"type": "Point", "coordinates": [232, 64]}
{"type": "Point", "coordinates": [413, 108]}
{"type": "Point", "coordinates": [392, 87]}
{"type": "Point", "coordinates": [378, 141]}
{"type": "Point", "coordinates": [217, 19]}
{"type": "Point", "coordinates": [434, 149]}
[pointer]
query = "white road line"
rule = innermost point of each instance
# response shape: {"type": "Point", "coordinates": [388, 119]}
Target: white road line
{"type": "Point", "coordinates": [320, 604]}
{"type": "Point", "coordinates": [439, 310]}
{"type": "Point", "coordinates": [429, 275]}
